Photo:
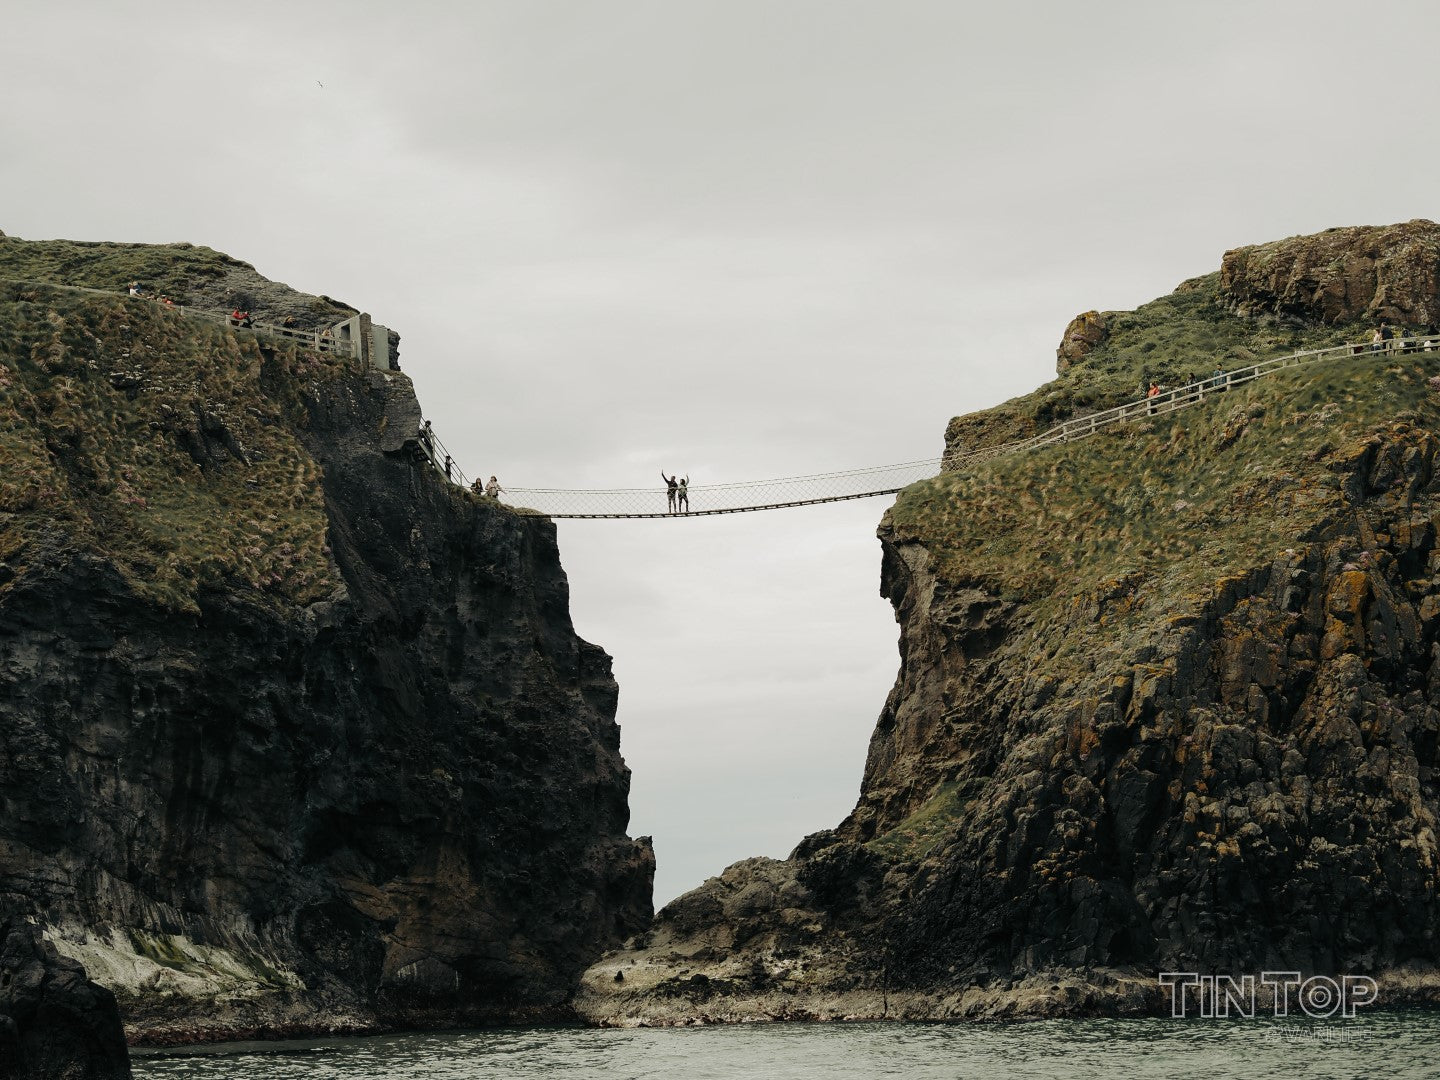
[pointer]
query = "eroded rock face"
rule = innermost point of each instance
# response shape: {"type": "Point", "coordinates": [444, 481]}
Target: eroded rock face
{"type": "Point", "coordinates": [1256, 782]}
{"type": "Point", "coordinates": [1086, 331]}
{"type": "Point", "coordinates": [1234, 777]}
{"type": "Point", "coordinates": [404, 805]}
{"type": "Point", "coordinates": [54, 1022]}
{"type": "Point", "coordinates": [1367, 274]}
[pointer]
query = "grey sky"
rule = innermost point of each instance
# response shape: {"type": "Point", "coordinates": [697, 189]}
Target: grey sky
{"type": "Point", "coordinates": [738, 239]}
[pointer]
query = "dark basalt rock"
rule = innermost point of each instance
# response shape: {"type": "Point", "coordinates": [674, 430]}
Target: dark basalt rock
{"type": "Point", "coordinates": [1168, 701]}
{"type": "Point", "coordinates": [400, 805]}
{"type": "Point", "coordinates": [1385, 273]}
{"type": "Point", "coordinates": [53, 1021]}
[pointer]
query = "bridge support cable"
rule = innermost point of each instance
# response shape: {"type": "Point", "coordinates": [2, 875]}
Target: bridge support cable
{"type": "Point", "coordinates": [702, 500]}
{"type": "Point", "coordinates": [709, 500]}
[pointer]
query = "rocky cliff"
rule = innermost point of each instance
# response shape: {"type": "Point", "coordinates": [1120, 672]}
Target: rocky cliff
{"type": "Point", "coordinates": [54, 1022]}
{"type": "Point", "coordinates": [1169, 697]}
{"type": "Point", "coordinates": [297, 736]}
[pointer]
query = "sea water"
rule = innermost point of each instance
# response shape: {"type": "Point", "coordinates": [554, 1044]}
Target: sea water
{"type": "Point", "coordinates": [1391, 1045]}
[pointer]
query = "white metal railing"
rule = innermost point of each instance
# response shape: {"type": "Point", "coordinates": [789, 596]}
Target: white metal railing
{"type": "Point", "coordinates": [886, 480]}
{"type": "Point", "coordinates": [319, 340]}
{"type": "Point", "coordinates": [818, 488]}
{"type": "Point", "coordinates": [1183, 397]}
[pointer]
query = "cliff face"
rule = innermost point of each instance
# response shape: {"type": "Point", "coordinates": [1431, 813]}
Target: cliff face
{"type": "Point", "coordinates": [54, 1022]}
{"type": "Point", "coordinates": [1169, 699]}
{"type": "Point", "coordinates": [297, 737]}
{"type": "Point", "coordinates": [1389, 273]}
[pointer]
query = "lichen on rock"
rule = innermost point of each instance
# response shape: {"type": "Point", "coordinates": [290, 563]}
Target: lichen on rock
{"type": "Point", "coordinates": [1385, 273]}
{"type": "Point", "coordinates": [1168, 699]}
{"type": "Point", "coordinates": [297, 737]}
{"type": "Point", "coordinates": [1086, 331]}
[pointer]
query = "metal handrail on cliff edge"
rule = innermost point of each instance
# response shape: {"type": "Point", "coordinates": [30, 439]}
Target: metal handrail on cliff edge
{"type": "Point", "coordinates": [815, 489]}
{"type": "Point", "coordinates": [315, 339]}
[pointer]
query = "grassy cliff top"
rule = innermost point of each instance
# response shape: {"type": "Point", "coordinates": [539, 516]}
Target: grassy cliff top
{"type": "Point", "coordinates": [1179, 501]}
{"type": "Point", "coordinates": [1169, 340]}
{"type": "Point", "coordinates": [162, 443]}
{"type": "Point", "coordinates": [1202, 492]}
{"type": "Point", "coordinates": [187, 274]}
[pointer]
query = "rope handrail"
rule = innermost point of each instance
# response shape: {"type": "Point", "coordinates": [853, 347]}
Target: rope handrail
{"type": "Point", "coordinates": [816, 488]}
{"type": "Point", "coordinates": [825, 487]}
{"type": "Point", "coordinates": [727, 498]}
{"type": "Point", "coordinates": [748, 484]}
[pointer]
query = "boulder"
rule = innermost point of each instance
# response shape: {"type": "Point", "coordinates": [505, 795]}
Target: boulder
{"type": "Point", "coordinates": [1387, 273]}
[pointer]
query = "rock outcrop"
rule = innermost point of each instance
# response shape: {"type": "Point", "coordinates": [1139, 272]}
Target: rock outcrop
{"type": "Point", "coordinates": [54, 1022]}
{"type": "Point", "coordinates": [1169, 700]}
{"type": "Point", "coordinates": [297, 737]}
{"type": "Point", "coordinates": [1377, 274]}
{"type": "Point", "coordinates": [1086, 331]}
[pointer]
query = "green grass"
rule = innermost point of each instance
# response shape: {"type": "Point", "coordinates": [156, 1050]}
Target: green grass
{"type": "Point", "coordinates": [1188, 333]}
{"type": "Point", "coordinates": [1191, 495]}
{"type": "Point", "coordinates": [96, 398]}
{"type": "Point", "coordinates": [1112, 543]}
{"type": "Point", "coordinates": [185, 273]}
{"type": "Point", "coordinates": [929, 826]}
{"type": "Point", "coordinates": [173, 269]}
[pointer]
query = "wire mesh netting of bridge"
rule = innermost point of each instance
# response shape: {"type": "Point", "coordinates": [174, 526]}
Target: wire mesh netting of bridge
{"type": "Point", "coordinates": [654, 502]}
{"type": "Point", "coordinates": [703, 500]}
{"type": "Point", "coordinates": [710, 499]}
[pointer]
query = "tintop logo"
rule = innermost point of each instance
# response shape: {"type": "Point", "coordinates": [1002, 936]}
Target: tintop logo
{"type": "Point", "coordinates": [1289, 994]}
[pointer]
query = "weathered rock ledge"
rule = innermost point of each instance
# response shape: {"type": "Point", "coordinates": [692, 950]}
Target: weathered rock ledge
{"type": "Point", "coordinates": [1168, 700]}
{"type": "Point", "coordinates": [294, 736]}
{"type": "Point", "coordinates": [54, 1022]}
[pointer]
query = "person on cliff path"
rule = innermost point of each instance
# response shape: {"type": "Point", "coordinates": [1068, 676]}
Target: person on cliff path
{"type": "Point", "coordinates": [493, 488]}
{"type": "Point", "coordinates": [449, 464]}
{"type": "Point", "coordinates": [670, 489]}
{"type": "Point", "coordinates": [477, 486]}
{"type": "Point", "coordinates": [1151, 395]}
{"type": "Point", "coordinates": [427, 441]}
{"type": "Point", "coordinates": [682, 496]}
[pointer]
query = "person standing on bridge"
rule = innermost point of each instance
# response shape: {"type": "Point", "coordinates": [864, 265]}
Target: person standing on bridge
{"type": "Point", "coordinates": [682, 496]}
{"type": "Point", "coordinates": [493, 488]}
{"type": "Point", "coordinates": [670, 490]}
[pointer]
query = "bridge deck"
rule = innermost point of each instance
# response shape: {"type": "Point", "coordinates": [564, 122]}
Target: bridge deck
{"type": "Point", "coordinates": [735, 509]}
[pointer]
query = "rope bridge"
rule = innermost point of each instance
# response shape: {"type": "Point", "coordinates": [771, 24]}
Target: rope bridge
{"type": "Point", "coordinates": [710, 499]}
{"type": "Point", "coordinates": [815, 488]}
{"type": "Point", "coordinates": [739, 498]}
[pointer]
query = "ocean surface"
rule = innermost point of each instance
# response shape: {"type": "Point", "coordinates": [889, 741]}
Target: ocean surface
{"type": "Point", "coordinates": [1392, 1045]}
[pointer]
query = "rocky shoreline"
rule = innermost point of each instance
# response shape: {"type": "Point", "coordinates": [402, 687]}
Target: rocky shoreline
{"type": "Point", "coordinates": [336, 762]}
{"type": "Point", "coordinates": [1168, 699]}
{"type": "Point", "coordinates": [298, 738]}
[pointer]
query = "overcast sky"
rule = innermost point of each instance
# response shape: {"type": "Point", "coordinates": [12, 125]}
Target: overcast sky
{"type": "Point", "coordinates": [739, 239]}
